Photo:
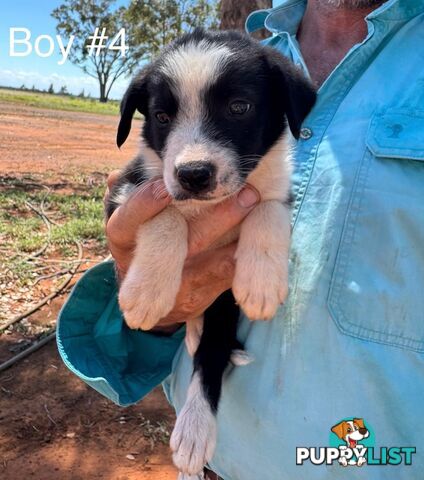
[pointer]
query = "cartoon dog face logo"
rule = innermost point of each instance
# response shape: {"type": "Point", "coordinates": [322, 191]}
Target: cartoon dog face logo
{"type": "Point", "coordinates": [351, 431]}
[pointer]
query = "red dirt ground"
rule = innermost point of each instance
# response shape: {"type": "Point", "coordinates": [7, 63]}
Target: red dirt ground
{"type": "Point", "coordinates": [53, 426]}
{"type": "Point", "coordinates": [44, 141]}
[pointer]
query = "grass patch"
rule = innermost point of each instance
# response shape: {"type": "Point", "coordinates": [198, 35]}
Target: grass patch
{"type": "Point", "coordinates": [59, 102]}
{"type": "Point", "coordinates": [77, 214]}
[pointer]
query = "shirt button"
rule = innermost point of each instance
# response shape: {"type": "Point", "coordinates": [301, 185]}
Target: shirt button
{"type": "Point", "coordinates": [305, 133]}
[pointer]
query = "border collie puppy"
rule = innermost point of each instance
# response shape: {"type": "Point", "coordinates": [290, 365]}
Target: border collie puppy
{"type": "Point", "coordinates": [218, 107]}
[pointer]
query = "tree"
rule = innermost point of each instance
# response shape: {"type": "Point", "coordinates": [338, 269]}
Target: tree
{"type": "Point", "coordinates": [234, 14]}
{"type": "Point", "coordinates": [81, 18]}
{"type": "Point", "coordinates": [149, 25]}
{"type": "Point", "coordinates": [63, 90]}
{"type": "Point", "coordinates": [51, 89]}
{"type": "Point", "coordinates": [158, 22]}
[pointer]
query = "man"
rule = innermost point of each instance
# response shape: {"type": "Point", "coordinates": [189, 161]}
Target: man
{"type": "Point", "coordinates": [349, 341]}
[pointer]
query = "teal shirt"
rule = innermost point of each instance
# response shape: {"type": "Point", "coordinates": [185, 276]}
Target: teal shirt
{"type": "Point", "coordinates": [349, 342]}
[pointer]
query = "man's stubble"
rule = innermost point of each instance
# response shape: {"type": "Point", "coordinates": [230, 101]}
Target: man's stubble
{"type": "Point", "coordinates": [351, 4]}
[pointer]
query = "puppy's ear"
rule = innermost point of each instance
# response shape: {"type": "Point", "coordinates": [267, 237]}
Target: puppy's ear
{"type": "Point", "coordinates": [339, 429]}
{"type": "Point", "coordinates": [135, 98]}
{"type": "Point", "coordinates": [294, 91]}
{"type": "Point", "coordinates": [359, 422]}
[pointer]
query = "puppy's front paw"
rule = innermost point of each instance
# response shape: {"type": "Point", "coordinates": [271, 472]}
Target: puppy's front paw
{"type": "Point", "coordinates": [260, 287]}
{"type": "Point", "coordinates": [150, 287]}
{"type": "Point", "coordinates": [142, 304]}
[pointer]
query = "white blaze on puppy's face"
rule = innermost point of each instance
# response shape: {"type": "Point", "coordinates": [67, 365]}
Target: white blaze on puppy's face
{"type": "Point", "coordinates": [193, 68]}
{"type": "Point", "coordinates": [151, 163]}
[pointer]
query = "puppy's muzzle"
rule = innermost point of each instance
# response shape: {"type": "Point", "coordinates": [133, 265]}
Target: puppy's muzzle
{"type": "Point", "coordinates": [196, 177]}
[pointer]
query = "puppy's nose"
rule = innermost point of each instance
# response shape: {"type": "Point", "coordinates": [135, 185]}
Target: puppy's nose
{"type": "Point", "coordinates": [363, 431]}
{"type": "Point", "coordinates": [196, 177]}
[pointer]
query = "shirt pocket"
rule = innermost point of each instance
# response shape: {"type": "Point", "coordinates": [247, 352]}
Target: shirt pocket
{"type": "Point", "coordinates": [377, 286]}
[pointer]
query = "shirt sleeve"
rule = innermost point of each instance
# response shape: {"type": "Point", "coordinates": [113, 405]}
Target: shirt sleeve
{"type": "Point", "coordinates": [96, 345]}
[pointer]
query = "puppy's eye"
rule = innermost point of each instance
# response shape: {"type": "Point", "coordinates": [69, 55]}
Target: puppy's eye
{"type": "Point", "coordinates": [239, 107]}
{"type": "Point", "coordinates": [162, 118]}
{"type": "Point", "coordinates": [349, 430]}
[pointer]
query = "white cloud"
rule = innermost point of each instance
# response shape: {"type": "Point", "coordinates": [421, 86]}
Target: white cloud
{"type": "Point", "coordinates": [74, 84]}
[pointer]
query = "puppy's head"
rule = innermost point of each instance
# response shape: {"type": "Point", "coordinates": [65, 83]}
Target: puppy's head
{"type": "Point", "coordinates": [351, 431]}
{"type": "Point", "coordinates": [214, 104]}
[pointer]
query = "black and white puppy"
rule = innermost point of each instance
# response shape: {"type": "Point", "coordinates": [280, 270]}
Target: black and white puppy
{"type": "Point", "coordinates": [216, 108]}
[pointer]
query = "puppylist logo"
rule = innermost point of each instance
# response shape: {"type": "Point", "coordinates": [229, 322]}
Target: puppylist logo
{"type": "Point", "coordinates": [352, 443]}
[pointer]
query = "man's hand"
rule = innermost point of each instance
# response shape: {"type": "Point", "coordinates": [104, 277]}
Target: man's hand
{"type": "Point", "coordinates": [207, 273]}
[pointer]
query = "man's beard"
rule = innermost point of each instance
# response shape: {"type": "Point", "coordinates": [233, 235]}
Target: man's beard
{"type": "Point", "coordinates": [351, 4]}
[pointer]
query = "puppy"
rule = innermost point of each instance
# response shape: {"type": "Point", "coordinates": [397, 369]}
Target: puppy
{"type": "Point", "coordinates": [352, 432]}
{"type": "Point", "coordinates": [217, 107]}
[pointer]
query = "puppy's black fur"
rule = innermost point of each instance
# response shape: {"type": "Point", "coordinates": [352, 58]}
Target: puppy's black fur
{"type": "Point", "coordinates": [218, 340]}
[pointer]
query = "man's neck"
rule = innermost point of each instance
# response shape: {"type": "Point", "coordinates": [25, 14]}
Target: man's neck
{"type": "Point", "coordinates": [327, 33]}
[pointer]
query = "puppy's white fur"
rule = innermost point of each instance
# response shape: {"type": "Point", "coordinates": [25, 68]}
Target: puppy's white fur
{"type": "Point", "coordinates": [260, 282]}
{"type": "Point", "coordinates": [193, 67]}
{"type": "Point", "coordinates": [184, 476]}
{"type": "Point", "coordinates": [241, 358]}
{"type": "Point", "coordinates": [150, 163]}
{"type": "Point", "coordinates": [187, 144]}
{"type": "Point", "coordinates": [194, 437]}
{"type": "Point", "coordinates": [150, 287]}
{"type": "Point", "coordinates": [194, 330]}
{"type": "Point", "coordinates": [123, 193]}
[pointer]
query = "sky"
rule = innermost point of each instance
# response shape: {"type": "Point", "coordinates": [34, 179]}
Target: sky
{"type": "Point", "coordinates": [32, 69]}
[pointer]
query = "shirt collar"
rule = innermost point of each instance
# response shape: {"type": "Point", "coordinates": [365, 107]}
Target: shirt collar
{"type": "Point", "coordinates": [287, 16]}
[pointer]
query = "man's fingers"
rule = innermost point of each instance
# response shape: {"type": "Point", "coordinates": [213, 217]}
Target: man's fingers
{"type": "Point", "coordinates": [112, 178]}
{"type": "Point", "coordinates": [209, 228]}
{"type": "Point", "coordinates": [152, 197]}
{"type": "Point", "coordinates": [146, 202]}
{"type": "Point", "coordinates": [110, 182]}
